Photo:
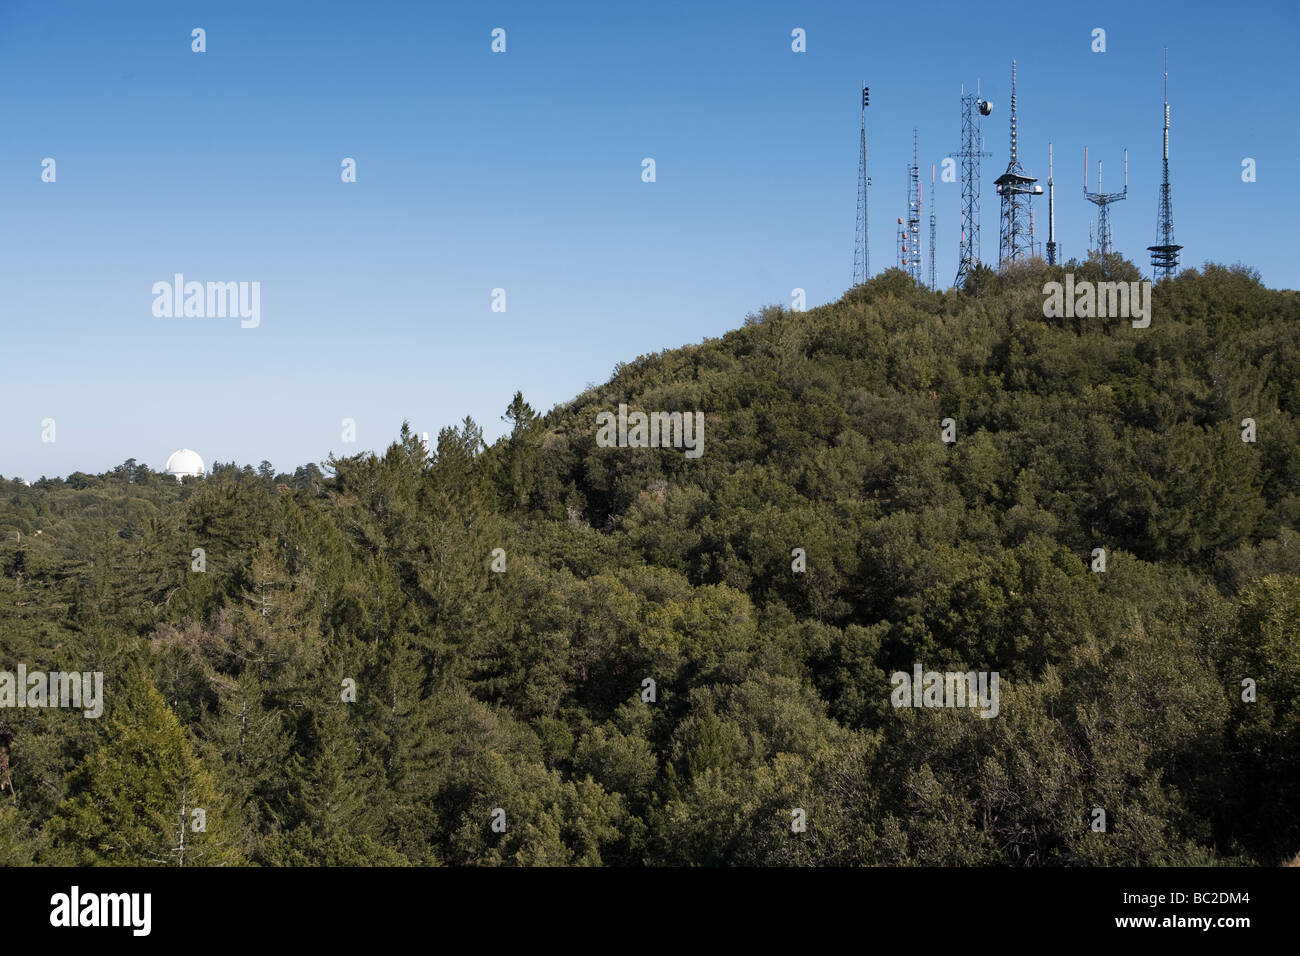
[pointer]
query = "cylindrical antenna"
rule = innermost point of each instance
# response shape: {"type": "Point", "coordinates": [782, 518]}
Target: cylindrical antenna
{"type": "Point", "coordinates": [1166, 104]}
{"type": "Point", "coordinates": [1051, 205]}
{"type": "Point", "coordinates": [1013, 112]}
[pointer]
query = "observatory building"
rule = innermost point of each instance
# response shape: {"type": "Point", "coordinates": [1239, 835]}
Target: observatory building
{"type": "Point", "coordinates": [183, 464]}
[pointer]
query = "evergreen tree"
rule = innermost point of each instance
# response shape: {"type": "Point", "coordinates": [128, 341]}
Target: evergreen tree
{"type": "Point", "coordinates": [142, 798]}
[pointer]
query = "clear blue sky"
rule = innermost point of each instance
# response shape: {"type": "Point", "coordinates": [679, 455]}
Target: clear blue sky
{"type": "Point", "coordinates": [522, 171]}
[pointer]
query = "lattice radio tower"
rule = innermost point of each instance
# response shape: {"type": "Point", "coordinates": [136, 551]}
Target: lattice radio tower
{"type": "Point", "coordinates": [861, 246]}
{"type": "Point", "coordinates": [910, 256]}
{"type": "Point", "coordinates": [972, 148]}
{"type": "Point", "coordinates": [1016, 232]}
{"type": "Point", "coordinates": [933, 283]}
{"type": "Point", "coordinates": [1051, 211]}
{"type": "Point", "coordinates": [1103, 201]}
{"type": "Point", "coordinates": [901, 245]}
{"type": "Point", "coordinates": [1164, 255]}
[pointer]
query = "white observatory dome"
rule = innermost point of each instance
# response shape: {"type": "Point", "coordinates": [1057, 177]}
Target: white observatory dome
{"type": "Point", "coordinates": [184, 463]}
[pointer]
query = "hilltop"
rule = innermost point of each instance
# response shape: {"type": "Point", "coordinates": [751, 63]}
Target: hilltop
{"type": "Point", "coordinates": [499, 610]}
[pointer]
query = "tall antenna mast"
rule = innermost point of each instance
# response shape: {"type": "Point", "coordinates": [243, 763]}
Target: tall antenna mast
{"type": "Point", "coordinates": [1016, 232]}
{"type": "Point", "coordinates": [1164, 254]}
{"type": "Point", "coordinates": [901, 245]}
{"type": "Point", "coordinates": [933, 283]}
{"type": "Point", "coordinates": [916, 228]}
{"type": "Point", "coordinates": [911, 250]}
{"type": "Point", "coordinates": [1051, 211]}
{"type": "Point", "coordinates": [861, 246]}
{"type": "Point", "coordinates": [1103, 200]}
{"type": "Point", "coordinates": [972, 148]}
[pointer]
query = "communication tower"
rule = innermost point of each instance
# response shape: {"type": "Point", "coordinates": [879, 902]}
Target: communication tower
{"type": "Point", "coordinates": [1164, 255]}
{"type": "Point", "coordinates": [861, 246]}
{"type": "Point", "coordinates": [1102, 200]}
{"type": "Point", "coordinates": [972, 148]}
{"type": "Point", "coordinates": [1016, 233]}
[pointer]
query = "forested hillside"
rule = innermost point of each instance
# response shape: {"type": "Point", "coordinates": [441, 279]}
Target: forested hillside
{"type": "Point", "coordinates": [523, 690]}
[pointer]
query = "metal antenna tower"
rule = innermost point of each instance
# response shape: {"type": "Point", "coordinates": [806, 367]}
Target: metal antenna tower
{"type": "Point", "coordinates": [901, 248]}
{"type": "Point", "coordinates": [1051, 211]}
{"type": "Point", "coordinates": [1016, 233]}
{"type": "Point", "coordinates": [1103, 201]}
{"type": "Point", "coordinates": [933, 283]}
{"type": "Point", "coordinates": [861, 246]}
{"type": "Point", "coordinates": [972, 148]}
{"type": "Point", "coordinates": [916, 227]}
{"type": "Point", "coordinates": [911, 255]}
{"type": "Point", "coordinates": [1164, 255]}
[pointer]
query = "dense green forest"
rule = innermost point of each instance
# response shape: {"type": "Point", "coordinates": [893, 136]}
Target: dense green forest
{"type": "Point", "coordinates": [500, 716]}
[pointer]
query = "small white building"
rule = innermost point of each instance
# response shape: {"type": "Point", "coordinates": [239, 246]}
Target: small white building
{"type": "Point", "coordinates": [184, 464]}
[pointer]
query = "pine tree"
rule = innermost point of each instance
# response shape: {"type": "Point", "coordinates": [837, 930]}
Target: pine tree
{"type": "Point", "coordinates": [142, 798]}
{"type": "Point", "coordinates": [518, 468]}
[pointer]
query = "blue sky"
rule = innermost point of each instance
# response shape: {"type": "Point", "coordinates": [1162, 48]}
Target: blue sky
{"type": "Point", "coordinates": [522, 171]}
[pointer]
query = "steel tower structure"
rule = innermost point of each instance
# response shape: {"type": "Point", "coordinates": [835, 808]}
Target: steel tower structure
{"type": "Point", "coordinates": [933, 283]}
{"type": "Point", "coordinates": [972, 148]}
{"type": "Point", "coordinates": [901, 245]}
{"type": "Point", "coordinates": [1164, 255]}
{"type": "Point", "coordinates": [861, 245]}
{"type": "Point", "coordinates": [1103, 201]}
{"type": "Point", "coordinates": [1051, 211]}
{"type": "Point", "coordinates": [1016, 233]}
{"type": "Point", "coordinates": [911, 257]}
